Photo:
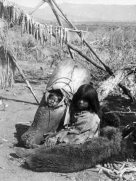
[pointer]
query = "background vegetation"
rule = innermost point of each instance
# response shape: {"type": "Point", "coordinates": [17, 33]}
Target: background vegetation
{"type": "Point", "coordinates": [114, 43]}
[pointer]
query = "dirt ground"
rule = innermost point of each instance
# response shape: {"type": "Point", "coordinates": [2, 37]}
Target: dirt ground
{"type": "Point", "coordinates": [17, 105]}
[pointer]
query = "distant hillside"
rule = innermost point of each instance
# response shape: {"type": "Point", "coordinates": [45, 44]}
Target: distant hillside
{"type": "Point", "coordinates": [87, 12]}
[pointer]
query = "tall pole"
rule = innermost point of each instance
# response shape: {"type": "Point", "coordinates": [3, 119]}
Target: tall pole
{"type": "Point", "coordinates": [71, 25]}
{"type": "Point", "coordinates": [37, 7]}
{"type": "Point", "coordinates": [54, 11]}
{"type": "Point", "coordinates": [84, 56]}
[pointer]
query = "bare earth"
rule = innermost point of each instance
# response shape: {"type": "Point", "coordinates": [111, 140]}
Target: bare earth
{"type": "Point", "coordinates": [19, 107]}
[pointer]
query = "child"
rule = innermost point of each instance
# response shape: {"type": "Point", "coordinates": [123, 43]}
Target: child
{"type": "Point", "coordinates": [84, 120]}
{"type": "Point", "coordinates": [54, 98]}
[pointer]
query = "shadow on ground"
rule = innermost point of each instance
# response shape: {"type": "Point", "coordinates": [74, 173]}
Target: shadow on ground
{"type": "Point", "coordinates": [20, 130]}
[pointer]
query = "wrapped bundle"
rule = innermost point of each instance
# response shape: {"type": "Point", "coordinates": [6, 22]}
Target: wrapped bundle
{"type": "Point", "coordinates": [65, 35]}
{"type": "Point", "coordinates": [27, 22]}
{"type": "Point", "coordinates": [1, 9]}
{"type": "Point", "coordinates": [6, 13]}
{"type": "Point", "coordinates": [18, 13]}
{"type": "Point", "coordinates": [33, 28]}
{"type": "Point", "coordinates": [44, 34]}
{"type": "Point", "coordinates": [51, 33]}
{"type": "Point", "coordinates": [11, 13]}
{"type": "Point", "coordinates": [61, 36]}
{"type": "Point", "coordinates": [56, 34]}
{"type": "Point", "coordinates": [21, 18]}
{"type": "Point", "coordinates": [23, 25]}
{"type": "Point", "coordinates": [41, 29]}
{"type": "Point", "coordinates": [36, 31]}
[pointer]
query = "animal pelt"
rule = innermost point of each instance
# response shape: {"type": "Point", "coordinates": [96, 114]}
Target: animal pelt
{"type": "Point", "coordinates": [108, 119]}
{"type": "Point", "coordinates": [73, 158]}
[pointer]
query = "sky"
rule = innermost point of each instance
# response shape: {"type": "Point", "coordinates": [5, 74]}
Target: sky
{"type": "Point", "coordinates": [33, 3]}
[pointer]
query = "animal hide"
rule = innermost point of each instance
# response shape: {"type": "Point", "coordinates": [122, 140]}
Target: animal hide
{"type": "Point", "coordinates": [72, 158]}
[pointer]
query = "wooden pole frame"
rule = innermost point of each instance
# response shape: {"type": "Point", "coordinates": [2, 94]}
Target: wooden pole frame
{"type": "Point", "coordinates": [125, 90]}
{"type": "Point", "coordinates": [84, 41]}
{"type": "Point", "coordinates": [53, 3]}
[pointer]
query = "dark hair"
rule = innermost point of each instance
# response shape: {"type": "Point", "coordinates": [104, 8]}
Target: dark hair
{"type": "Point", "coordinates": [87, 92]}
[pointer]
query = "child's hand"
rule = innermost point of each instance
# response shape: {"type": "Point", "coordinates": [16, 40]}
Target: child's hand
{"type": "Point", "coordinates": [84, 116]}
{"type": "Point", "coordinates": [73, 131]}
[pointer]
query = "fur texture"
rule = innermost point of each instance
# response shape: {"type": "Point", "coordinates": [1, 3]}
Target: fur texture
{"type": "Point", "coordinates": [72, 158]}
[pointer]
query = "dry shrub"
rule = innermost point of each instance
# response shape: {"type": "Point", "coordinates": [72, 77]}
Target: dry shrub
{"type": "Point", "coordinates": [117, 47]}
{"type": "Point", "coordinates": [114, 45]}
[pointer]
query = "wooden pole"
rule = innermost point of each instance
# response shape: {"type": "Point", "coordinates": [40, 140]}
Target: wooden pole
{"type": "Point", "coordinates": [23, 76]}
{"type": "Point", "coordinates": [54, 11]}
{"type": "Point", "coordinates": [68, 48]}
{"type": "Point", "coordinates": [84, 41]}
{"type": "Point", "coordinates": [71, 25]}
{"type": "Point", "coordinates": [70, 52]}
{"type": "Point", "coordinates": [84, 56]}
{"type": "Point", "coordinates": [105, 66]}
{"type": "Point", "coordinates": [125, 90]}
{"type": "Point", "coordinates": [37, 7]}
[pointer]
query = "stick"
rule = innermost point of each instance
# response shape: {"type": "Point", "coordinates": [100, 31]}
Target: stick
{"type": "Point", "coordinates": [54, 11]}
{"type": "Point", "coordinates": [70, 53]}
{"type": "Point", "coordinates": [37, 7]}
{"type": "Point", "coordinates": [120, 112]}
{"type": "Point", "coordinates": [76, 31]}
{"type": "Point", "coordinates": [105, 66]}
{"type": "Point", "coordinates": [126, 91]}
{"type": "Point", "coordinates": [71, 25]}
{"type": "Point", "coordinates": [84, 56]}
{"type": "Point", "coordinates": [23, 76]}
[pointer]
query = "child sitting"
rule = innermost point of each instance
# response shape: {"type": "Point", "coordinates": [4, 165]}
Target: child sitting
{"type": "Point", "coordinates": [84, 120]}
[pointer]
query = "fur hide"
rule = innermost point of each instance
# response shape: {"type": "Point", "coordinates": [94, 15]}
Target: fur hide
{"type": "Point", "coordinates": [73, 158]}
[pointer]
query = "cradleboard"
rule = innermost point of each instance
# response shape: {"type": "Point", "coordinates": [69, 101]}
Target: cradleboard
{"type": "Point", "coordinates": [65, 80]}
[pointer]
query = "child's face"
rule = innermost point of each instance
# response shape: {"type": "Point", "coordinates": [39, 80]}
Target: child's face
{"type": "Point", "coordinates": [52, 100]}
{"type": "Point", "coordinates": [82, 104]}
